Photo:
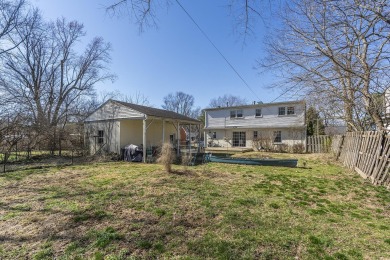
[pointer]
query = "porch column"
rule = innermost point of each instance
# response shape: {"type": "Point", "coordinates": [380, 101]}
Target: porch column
{"type": "Point", "coordinates": [144, 140]}
{"type": "Point", "coordinates": [163, 131]}
{"type": "Point", "coordinates": [178, 138]}
{"type": "Point", "coordinates": [189, 140]}
{"type": "Point", "coordinates": [205, 139]}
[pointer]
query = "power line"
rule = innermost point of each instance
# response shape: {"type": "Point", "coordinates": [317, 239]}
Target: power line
{"type": "Point", "coordinates": [215, 47]}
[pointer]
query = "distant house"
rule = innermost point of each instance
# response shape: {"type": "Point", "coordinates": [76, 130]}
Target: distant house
{"type": "Point", "coordinates": [387, 109]}
{"type": "Point", "coordinates": [275, 125]}
{"type": "Point", "coordinates": [116, 124]}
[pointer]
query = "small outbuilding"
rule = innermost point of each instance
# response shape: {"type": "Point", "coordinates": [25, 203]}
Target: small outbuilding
{"type": "Point", "coordinates": [116, 124]}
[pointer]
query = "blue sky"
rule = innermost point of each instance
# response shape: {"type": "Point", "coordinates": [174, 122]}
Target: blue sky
{"type": "Point", "coordinates": [176, 56]}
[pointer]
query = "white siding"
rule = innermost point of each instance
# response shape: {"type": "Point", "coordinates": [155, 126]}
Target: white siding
{"type": "Point", "coordinates": [110, 139]}
{"type": "Point", "coordinates": [219, 119]}
{"type": "Point", "coordinates": [112, 110]}
{"type": "Point", "coordinates": [224, 138]}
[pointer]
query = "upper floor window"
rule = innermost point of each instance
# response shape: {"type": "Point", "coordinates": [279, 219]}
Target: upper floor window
{"type": "Point", "coordinates": [258, 112]}
{"type": "Point", "coordinates": [236, 113]}
{"type": "Point", "coordinates": [232, 113]}
{"type": "Point", "coordinates": [290, 111]}
{"type": "Point", "coordinates": [282, 111]}
{"type": "Point", "coordinates": [286, 111]}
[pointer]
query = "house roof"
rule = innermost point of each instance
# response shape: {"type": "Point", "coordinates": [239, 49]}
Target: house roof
{"type": "Point", "coordinates": [155, 112]}
{"type": "Point", "coordinates": [257, 105]}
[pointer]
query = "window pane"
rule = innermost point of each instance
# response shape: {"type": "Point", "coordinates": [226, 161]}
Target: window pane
{"type": "Point", "coordinates": [282, 111]}
{"type": "Point", "coordinates": [258, 112]}
{"type": "Point", "coordinates": [100, 136]}
{"type": "Point", "coordinates": [239, 113]}
{"type": "Point", "coordinates": [290, 111]}
{"type": "Point", "coordinates": [232, 113]}
{"type": "Point", "coordinates": [254, 134]}
{"type": "Point", "coordinates": [239, 139]}
{"type": "Point", "coordinates": [214, 134]}
{"type": "Point", "coordinates": [277, 136]}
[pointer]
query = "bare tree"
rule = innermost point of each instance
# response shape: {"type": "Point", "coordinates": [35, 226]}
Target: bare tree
{"type": "Point", "coordinates": [227, 100]}
{"type": "Point", "coordinates": [336, 51]}
{"type": "Point", "coordinates": [245, 14]}
{"type": "Point", "coordinates": [12, 16]}
{"type": "Point", "coordinates": [181, 103]}
{"type": "Point", "coordinates": [47, 77]}
{"type": "Point", "coordinates": [142, 12]}
{"type": "Point", "coordinates": [12, 130]}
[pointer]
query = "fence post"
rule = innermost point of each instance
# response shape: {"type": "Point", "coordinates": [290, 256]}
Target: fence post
{"type": "Point", "coordinates": [340, 146]}
{"type": "Point", "coordinates": [4, 161]}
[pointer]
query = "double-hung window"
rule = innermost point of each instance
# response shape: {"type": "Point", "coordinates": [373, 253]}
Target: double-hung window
{"type": "Point", "coordinates": [286, 111]}
{"type": "Point", "coordinates": [258, 112]}
{"type": "Point", "coordinates": [236, 113]}
{"type": "Point", "coordinates": [282, 111]}
{"type": "Point", "coordinates": [277, 136]}
{"type": "Point", "coordinates": [290, 111]}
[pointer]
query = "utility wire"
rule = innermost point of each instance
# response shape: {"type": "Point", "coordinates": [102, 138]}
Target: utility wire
{"type": "Point", "coordinates": [223, 56]}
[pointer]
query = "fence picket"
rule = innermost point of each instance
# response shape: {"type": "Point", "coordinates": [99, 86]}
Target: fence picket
{"type": "Point", "coordinates": [368, 153]}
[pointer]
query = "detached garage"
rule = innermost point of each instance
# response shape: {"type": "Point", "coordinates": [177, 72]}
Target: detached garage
{"type": "Point", "coordinates": [116, 124]}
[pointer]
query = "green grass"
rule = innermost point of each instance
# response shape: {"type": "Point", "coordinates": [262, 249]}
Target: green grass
{"type": "Point", "coordinates": [129, 210]}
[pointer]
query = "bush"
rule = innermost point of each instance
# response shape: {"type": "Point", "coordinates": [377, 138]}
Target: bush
{"type": "Point", "coordinates": [298, 148]}
{"type": "Point", "coordinates": [167, 156]}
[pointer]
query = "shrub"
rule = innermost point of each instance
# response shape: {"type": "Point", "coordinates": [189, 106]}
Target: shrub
{"type": "Point", "coordinates": [167, 156]}
{"type": "Point", "coordinates": [298, 148]}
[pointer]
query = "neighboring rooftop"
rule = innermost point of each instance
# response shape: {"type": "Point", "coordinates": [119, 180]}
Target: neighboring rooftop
{"type": "Point", "coordinates": [258, 104]}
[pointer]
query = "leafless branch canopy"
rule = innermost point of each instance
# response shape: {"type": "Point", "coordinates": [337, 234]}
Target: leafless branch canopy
{"type": "Point", "coordinates": [142, 12]}
{"type": "Point", "coordinates": [336, 52]}
{"type": "Point", "coordinates": [11, 17]}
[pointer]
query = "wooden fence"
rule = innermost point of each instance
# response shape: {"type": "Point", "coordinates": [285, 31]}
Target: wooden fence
{"type": "Point", "coordinates": [318, 144]}
{"type": "Point", "coordinates": [368, 153]}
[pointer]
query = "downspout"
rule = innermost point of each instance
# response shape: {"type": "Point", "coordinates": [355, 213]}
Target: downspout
{"type": "Point", "coordinates": [178, 138]}
{"type": "Point", "coordinates": [144, 139]}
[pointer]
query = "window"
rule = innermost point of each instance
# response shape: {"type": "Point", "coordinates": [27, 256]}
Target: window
{"type": "Point", "coordinates": [239, 139]}
{"type": "Point", "coordinates": [100, 136]}
{"type": "Point", "coordinates": [236, 113]}
{"type": "Point", "coordinates": [232, 113]}
{"type": "Point", "coordinates": [239, 113]}
{"type": "Point", "coordinates": [258, 112]}
{"type": "Point", "coordinates": [214, 135]}
{"type": "Point", "coordinates": [282, 111]}
{"type": "Point", "coordinates": [255, 134]}
{"type": "Point", "coordinates": [277, 136]}
{"type": "Point", "coordinates": [290, 111]}
{"type": "Point", "coordinates": [286, 111]}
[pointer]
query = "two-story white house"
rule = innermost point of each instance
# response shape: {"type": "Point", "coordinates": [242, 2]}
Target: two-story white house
{"type": "Point", "coordinates": [387, 109]}
{"type": "Point", "coordinates": [277, 126]}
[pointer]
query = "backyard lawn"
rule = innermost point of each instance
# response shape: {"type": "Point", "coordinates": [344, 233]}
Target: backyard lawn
{"type": "Point", "coordinates": [119, 210]}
